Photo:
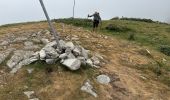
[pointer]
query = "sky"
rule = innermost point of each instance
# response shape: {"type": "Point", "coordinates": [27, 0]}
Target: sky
{"type": "Point", "coordinates": [14, 11]}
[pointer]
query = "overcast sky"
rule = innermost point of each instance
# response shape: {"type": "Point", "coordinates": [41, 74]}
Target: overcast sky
{"type": "Point", "coordinates": [12, 11]}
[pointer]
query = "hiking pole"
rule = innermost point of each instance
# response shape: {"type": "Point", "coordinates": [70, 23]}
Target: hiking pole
{"type": "Point", "coordinates": [56, 36]}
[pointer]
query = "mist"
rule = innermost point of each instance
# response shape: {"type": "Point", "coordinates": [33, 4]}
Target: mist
{"type": "Point", "coordinates": [14, 11]}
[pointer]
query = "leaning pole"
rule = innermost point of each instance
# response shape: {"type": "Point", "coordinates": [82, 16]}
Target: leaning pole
{"type": "Point", "coordinates": [56, 35]}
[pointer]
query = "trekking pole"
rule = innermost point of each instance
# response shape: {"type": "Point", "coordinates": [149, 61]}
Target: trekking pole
{"type": "Point", "coordinates": [56, 36]}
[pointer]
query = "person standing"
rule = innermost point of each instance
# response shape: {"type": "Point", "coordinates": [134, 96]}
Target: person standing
{"type": "Point", "coordinates": [96, 20]}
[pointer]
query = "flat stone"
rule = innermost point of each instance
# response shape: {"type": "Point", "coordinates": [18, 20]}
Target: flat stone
{"type": "Point", "coordinates": [103, 79]}
{"type": "Point", "coordinates": [50, 61]}
{"type": "Point", "coordinates": [72, 64]}
{"type": "Point", "coordinates": [63, 56]}
{"type": "Point", "coordinates": [19, 59]}
{"type": "Point", "coordinates": [5, 54]}
{"type": "Point", "coordinates": [87, 87]}
{"type": "Point", "coordinates": [4, 43]}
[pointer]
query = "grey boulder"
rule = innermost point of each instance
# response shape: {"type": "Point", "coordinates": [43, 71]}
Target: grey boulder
{"type": "Point", "coordinates": [72, 64]}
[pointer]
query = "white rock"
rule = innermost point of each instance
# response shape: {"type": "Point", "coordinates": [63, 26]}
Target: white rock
{"type": "Point", "coordinates": [30, 70]}
{"type": "Point", "coordinates": [72, 64]}
{"type": "Point", "coordinates": [18, 56]}
{"type": "Point", "coordinates": [89, 62]}
{"type": "Point", "coordinates": [87, 87]}
{"type": "Point", "coordinates": [63, 56]}
{"type": "Point", "coordinates": [42, 54]}
{"type": "Point", "coordinates": [70, 45]}
{"type": "Point", "coordinates": [29, 93]}
{"type": "Point", "coordinates": [103, 79]}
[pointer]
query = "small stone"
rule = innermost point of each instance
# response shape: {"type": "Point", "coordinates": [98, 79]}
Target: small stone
{"type": "Point", "coordinates": [29, 93]}
{"type": "Point", "coordinates": [87, 87]}
{"type": "Point", "coordinates": [34, 99]}
{"type": "Point", "coordinates": [30, 70]}
{"type": "Point", "coordinates": [42, 54]}
{"type": "Point", "coordinates": [72, 64]}
{"type": "Point", "coordinates": [70, 45]}
{"type": "Point", "coordinates": [63, 56]}
{"type": "Point", "coordinates": [103, 79]}
{"type": "Point", "coordinates": [84, 53]}
{"type": "Point", "coordinates": [50, 61]}
{"type": "Point", "coordinates": [89, 62]}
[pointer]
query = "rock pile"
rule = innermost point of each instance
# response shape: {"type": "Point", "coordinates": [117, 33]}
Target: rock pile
{"type": "Point", "coordinates": [69, 55]}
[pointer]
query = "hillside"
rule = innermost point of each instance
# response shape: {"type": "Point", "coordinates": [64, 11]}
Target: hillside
{"type": "Point", "coordinates": [132, 57]}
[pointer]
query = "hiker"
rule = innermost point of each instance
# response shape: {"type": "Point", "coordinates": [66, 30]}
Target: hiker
{"type": "Point", "coordinates": [96, 20]}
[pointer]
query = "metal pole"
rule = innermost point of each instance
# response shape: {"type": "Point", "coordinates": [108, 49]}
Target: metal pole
{"type": "Point", "coordinates": [56, 36]}
{"type": "Point", "coordinates": [74, 7]}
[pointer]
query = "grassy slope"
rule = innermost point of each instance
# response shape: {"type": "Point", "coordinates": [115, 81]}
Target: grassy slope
{"type": "Point", "coordinates": [149, 35]}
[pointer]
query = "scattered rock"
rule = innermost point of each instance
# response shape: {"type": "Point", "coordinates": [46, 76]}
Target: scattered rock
{"type": "Point", "coordinates": [19, 59]}
{"type": "Point", "coordinates": [29, 94]}
{"type": "Point", "coordinates": [87, 87]}
{"type": "Point", "coordinates": [72, 64]}
{"type": "Point", "coordinates": [30, 70]}
{"type": "Point", "coordinates": [95, 60]}
{"type": "Point", "coordinates": [89, 62]}
{"type": "Point", "coordinates": [4, 43]}
{"type": "Point", "coordinates": [103, 79]}
{"type": "Point", "coordinates": [20, 39]}
{"type": "Point", "coordinates": [5, 54]}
